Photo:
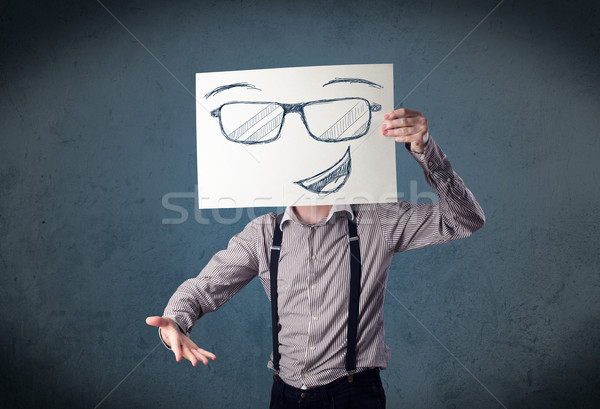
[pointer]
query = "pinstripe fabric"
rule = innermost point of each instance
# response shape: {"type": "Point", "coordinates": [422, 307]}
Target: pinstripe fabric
{"type": "Point", "coordinates": [314, 273]}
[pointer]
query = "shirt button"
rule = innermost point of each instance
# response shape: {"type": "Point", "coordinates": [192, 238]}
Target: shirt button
{"type": "Point", "coordinates": [448, 180]}
{"type": "Point", "coordinates": [313, 286]}
{"type": "Point", "coordinates": [312, 348]}
{"type": "Point", "coordinates": [314, 257]}
{"type": "Point", "coordinates": [430, 163]}
{"type": "Point", "coordinates": [315, 227]}
{"type": "Point", "coordinates": [315, 318]}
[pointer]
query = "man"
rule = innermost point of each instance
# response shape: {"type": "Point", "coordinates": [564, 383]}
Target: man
{"type": "Point", "coordinates": [317, 363]}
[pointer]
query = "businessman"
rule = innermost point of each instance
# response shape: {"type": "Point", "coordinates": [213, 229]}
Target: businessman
{"type": "Point", "coordinates": [324, 268]}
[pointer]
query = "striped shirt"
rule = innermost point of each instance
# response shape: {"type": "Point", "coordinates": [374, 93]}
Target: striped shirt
{"type": "Point", "coordinates": [314, 273]}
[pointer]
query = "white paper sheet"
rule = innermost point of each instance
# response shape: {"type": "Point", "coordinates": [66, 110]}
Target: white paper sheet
{"type": "Point", "coordinates": [295, 136]}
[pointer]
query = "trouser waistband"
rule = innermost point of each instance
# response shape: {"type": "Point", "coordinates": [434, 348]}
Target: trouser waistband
{"type": "Point", "coordinates": [359, 377]}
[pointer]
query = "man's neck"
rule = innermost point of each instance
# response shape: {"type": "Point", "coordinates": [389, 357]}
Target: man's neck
{"type": "Point", "coordinates": [312, 214]}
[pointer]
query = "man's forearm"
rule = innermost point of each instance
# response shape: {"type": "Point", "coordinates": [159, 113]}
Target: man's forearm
{"type": "Point", "coordinates": [459, 210]}
{"type": "Point", "coordinates": [227, 272]}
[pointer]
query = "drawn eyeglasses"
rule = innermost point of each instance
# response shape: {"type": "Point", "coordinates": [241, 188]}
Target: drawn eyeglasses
{"type": "Point", "coordinates": [326, 120]}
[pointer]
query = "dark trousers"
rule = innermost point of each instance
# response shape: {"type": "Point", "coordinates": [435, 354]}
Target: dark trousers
{"type": "Point", "coordinates": [364, 392]}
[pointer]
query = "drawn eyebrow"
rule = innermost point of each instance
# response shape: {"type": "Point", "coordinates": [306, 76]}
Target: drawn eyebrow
{"type": "Point", "coordinates": [353, 81]}
{"type": "Point", "coordinates": [228, 86]}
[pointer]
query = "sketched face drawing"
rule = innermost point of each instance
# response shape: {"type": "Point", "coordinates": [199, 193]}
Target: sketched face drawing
{"type": "Point", "coordinates": [334, 120]}
{"type": "Point", "coordinates": [326, 120]}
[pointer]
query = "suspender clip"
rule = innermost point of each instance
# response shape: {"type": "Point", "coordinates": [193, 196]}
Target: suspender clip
{"type": "Point", "coordinates": [278, 248]}
{"type": "Point", "coordinates": [353, 238]}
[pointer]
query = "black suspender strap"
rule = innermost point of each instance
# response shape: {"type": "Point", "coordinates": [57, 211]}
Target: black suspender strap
{"type": "Point", "coordinates": [273, 266]}
{"type": "Point", "coordinates": [355, 275]}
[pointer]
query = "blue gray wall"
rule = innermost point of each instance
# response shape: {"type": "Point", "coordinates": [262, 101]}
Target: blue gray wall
{"type": "Point", "coordinates": [95, 132]}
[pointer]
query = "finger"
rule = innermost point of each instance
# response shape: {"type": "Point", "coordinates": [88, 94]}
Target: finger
{"type": "Point", "coordinates": [411, 138]}
{"type": "Point", "coordinates": [154, 321]}
{"type": "Point", "coordinates": [208, 354]}
{"type": "Point", "coordinates": [405, 131]}
{"type": "Point", "coordinates": [406, 139]}
{"type": "Point", "coordinates": [200, 356]}
{"type": "Point", "coordinates": [205, 354]}
{"type": "Point", "coordinates": [190, 356]}
{"type": "Point", "coordinates": [176, 347]}
{"type": "Point", "coordinates": [158, 321]}
{"type": "Point", "coordinates": [397, 123]}
{"type": "Point", "coordinates": [401, 112]}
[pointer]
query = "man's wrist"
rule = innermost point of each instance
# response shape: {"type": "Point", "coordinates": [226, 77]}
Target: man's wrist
{"type": "Point", "coordinates": [421, 147]}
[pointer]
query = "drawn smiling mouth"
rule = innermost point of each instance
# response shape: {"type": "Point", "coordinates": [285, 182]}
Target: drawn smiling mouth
{"type": "Point", "coordinates": [331, 179]}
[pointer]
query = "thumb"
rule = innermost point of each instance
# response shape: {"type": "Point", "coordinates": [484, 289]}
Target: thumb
{"type": "Point", "coordinates": [158, 321]}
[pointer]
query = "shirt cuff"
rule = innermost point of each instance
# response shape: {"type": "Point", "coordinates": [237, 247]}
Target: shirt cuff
{"type": "Point", "coordinates": [162, 340]}
{"type": "Point", "coordinates": [434, 163]}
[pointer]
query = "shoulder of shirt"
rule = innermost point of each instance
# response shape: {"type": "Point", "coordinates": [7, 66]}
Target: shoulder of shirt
{"type": "Point", "coordinates": [368, 207]}
{"type": "Point", "coordinates": [371, 206]}
{"type": "Point", "coordinates": [375, 211]}
{"type": "Point", "coordinates": [263, 223]}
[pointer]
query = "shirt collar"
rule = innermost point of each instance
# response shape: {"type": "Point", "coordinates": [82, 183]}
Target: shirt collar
{"type": "Point", "coordinates": [289, 214]}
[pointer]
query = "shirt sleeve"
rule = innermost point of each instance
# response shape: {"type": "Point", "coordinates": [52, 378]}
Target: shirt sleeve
{"type": "Point", "coordinates": [457, 215]}
{"type": "Point", "coordinates": [227, 272]}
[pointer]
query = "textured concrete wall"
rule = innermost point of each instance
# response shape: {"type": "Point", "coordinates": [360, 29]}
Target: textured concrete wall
{"type": "Point", "coordinates": [94, 132]}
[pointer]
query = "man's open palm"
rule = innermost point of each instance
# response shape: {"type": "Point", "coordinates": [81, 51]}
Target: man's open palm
{"type": "Point", "coordinates": [181, 345]}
